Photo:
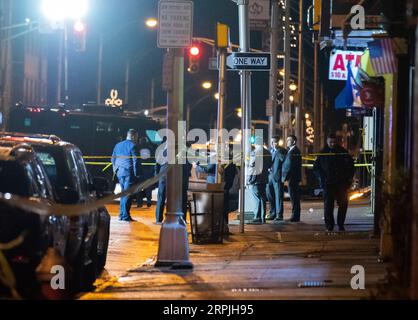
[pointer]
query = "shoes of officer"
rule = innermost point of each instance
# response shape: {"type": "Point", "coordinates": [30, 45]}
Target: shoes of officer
{"type": "Point", "coordinates": [340, 229]}
{"type": "Point", "coordinates": [128, 220]}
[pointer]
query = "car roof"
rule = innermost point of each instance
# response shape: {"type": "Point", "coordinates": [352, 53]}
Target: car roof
{"type": "Point", "coordinates": [36, 139]}
{"type": "Point", "coordinates": [15, 151]}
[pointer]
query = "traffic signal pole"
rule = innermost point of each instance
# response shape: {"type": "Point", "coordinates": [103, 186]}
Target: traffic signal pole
{"type": "Point", "coordinates": [244, 40]}
{"type": "Point", "coordinates": [221, 108]}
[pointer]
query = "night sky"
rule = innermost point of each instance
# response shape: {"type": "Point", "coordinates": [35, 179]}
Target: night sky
{"type": "Point", "coordinates": [121, 22]}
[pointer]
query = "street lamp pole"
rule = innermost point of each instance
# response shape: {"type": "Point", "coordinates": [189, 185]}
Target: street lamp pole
{"type": "Point", "coordinates": [100, 71]}
{"type": "Point", "coordinates": [66, 97]}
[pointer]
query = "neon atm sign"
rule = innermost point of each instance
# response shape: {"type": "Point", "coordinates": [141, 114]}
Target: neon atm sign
{"type": "Point", "coordinates": [338, 64]}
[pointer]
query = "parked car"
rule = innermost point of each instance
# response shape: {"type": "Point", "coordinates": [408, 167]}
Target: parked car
{"type": "Point", "coordinates": [88, 238]}
{"type": "Point", "coordinates": [22, 174]}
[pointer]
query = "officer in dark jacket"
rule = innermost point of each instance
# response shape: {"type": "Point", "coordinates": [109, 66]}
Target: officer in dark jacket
{"type": "Point", "coordinates": [126, 167]}
{"type": "Point", "coordinates": [161, 164]}
{"type": "Point", "coordinates": [147, 172]}
{"type": "Point", "coordinates": [292, 172]}
{"type": "Point", "coordinates": [260, 162]}
{"type": "Point", "coordinates": [275, 186]}
{"type": "Point", "coordinates": [334, 168]}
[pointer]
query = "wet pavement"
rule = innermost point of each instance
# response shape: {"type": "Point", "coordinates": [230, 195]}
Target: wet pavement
{"type": "Point", "coordinates": [270, 261]}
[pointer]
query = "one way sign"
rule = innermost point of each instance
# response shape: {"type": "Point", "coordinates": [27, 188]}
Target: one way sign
{"type": "Point", "coordinates": [249, 61]}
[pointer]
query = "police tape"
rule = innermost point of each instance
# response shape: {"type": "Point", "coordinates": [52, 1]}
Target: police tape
{"type": "Point", "coordinates": [12, 244]}
{"type": "Point", "coordinates": [55, 209]}
{"type": "Point", "coordinates": [7, 277]}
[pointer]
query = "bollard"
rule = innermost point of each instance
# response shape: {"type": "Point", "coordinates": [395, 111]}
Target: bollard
{"type": "Point", "coordinates": [173, 249]}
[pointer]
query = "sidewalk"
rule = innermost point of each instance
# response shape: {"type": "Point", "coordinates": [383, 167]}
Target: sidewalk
{"type": "Point", "coordinates": [266, 262]}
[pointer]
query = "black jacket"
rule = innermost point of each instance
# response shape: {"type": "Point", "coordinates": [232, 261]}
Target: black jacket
{"type": "Point", "coordinates": [260, 162]}
{"type": "Point", "coordinates": [337, 168]}
{"type": "Point", "coordinates": [292, 166]}
{"type": "Point", "coordinates": [275, 171]}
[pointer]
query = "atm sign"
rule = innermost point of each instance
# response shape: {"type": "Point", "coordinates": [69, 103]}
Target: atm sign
{"type": "Point", "coordinates": [338, 63]}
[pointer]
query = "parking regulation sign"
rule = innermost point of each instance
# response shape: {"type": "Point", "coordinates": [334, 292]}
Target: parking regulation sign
{"type": "Point", "coordinates": [175, 24]}
{"type": "Point", "coordinates": [249, 61]}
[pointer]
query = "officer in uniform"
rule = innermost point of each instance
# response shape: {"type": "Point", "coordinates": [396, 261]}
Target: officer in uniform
{"type": "Point", "coordinates": [126, 168]}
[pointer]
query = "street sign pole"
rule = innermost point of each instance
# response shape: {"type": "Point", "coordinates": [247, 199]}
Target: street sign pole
{"type": "Point", "coordinates": [244, 39]}
{"type": "Point", "coordinates": [221, 108]}
{"type": "Point", "coordinates": [173, 247]}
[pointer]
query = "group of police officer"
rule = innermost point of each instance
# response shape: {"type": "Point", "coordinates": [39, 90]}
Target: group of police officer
{"type": "Point", "coordinates": [269, 170]}
{"type": "Point", "coordinates": [334, 168]}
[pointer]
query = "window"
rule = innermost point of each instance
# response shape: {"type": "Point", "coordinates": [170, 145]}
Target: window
{"type": "Point", "coordinates": [13, 179]}
{"type": "Point", "coordinates": [104, 127]}
{"type": "Point", "coordinates": [27, 122]}
{"type": "Point", "coordinates": [50, 166]}
{"type": "Point", "coordinates": [153, 136]}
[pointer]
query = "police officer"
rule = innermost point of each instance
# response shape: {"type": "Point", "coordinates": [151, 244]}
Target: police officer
{"type": "Point", "coordinates": [161, 164]}
{"type": "Point", "coordinates": [292, 173]}
{"type": "Point", "coordinates": [334, 168]}
{"type": "Point", "coordinates": [126, 168]}
{"type": "Point", "coordinates": [275, 186]}
{"type": "Point", "coordinates": [260, 162]}
{"type": "Point", "coordinates": [147, 172]}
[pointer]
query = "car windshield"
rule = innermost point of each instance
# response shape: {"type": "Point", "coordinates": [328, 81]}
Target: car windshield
{"type": "Point", "coordinates": [13, 179]}
{"type": "Point", "coordinates": [58, 170]}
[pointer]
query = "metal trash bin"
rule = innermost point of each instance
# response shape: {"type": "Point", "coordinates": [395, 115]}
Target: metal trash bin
{"type": "Point", "coordinates": [207, 215]}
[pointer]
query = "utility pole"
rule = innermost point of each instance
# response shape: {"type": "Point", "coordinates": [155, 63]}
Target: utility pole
{"type": "Point", "coordinates": [100, 72]}
{"type": "Point", "coordinates": [173, 249]}
{"type": "Point", "coordinates": [66, 95]}
{"type": "Point", "coordinates": [127, 76]}
{"type": "Point", "coordinates": [245, 76]}
{"type": "Point", "coordinates": [222, 44]}
{"type": "Point", "coordinates": [317, 111]}
{"type": "Point", "coordinates": [301, 82]}
{"type": "Point", "coordinates": [6, 61]}
{"type": "Point", "coordinates": [274, 34]}
{"type": "Point", "coordinates": [152, 94]}
{"type": "Point", "coordinates": [287, 70]}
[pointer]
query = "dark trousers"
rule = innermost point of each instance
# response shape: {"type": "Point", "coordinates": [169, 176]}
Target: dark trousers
{"type": "Point", "coordinates": [259, 193]}
{"type": "Point", "coordinates": [294, 193]}
{"type": "Point", "coordinates": [125, 202]}
{"type": "Point", "coordinates": [334, 193]}
{"type": "Point", "coordinates": [159, 210]}
{"type": "Point", "coordinates": [184, 201]}
{"type": "Point", "coordinates": [147, 193]}
{"type": "Point", "coordinates": [275, 195]}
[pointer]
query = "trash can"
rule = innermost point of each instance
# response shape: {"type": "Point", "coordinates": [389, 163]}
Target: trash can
{"type": "Point", "coordinates": [207, 215]}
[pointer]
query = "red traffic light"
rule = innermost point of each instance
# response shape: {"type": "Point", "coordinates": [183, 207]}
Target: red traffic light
{"type": "Point", "coordinates": [79, 27]}
{"type": "Point", "coordinates": [194, 51]}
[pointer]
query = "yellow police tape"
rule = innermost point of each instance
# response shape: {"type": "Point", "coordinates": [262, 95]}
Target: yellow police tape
{"type": "Point", "coordinates": [305, 165]}
{"type": "Point", "coordinates": [56, 209]}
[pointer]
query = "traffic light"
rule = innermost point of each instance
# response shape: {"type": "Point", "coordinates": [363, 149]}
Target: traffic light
{"type": "Point", "coordinates": [79, 36]}
{"type": "Point", "coordinates": [194, 56]}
